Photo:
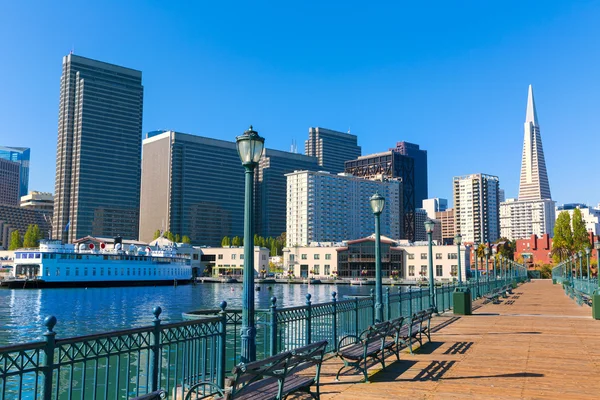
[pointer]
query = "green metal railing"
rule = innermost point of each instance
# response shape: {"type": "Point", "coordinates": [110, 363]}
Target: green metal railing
{"type": "Point", "coordinates": [128, 363]}
{"type": "Point", "coordinates": [576, 281]}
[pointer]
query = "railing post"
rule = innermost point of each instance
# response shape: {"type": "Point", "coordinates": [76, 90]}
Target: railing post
{"type": "Point", "coordinates": [155, 350]}
{"type": "Point", "coordinates": [373, 302]}
{"type": "Point", "coordinates": [222, 346]}
{"type": "Point", "coordinates": [420, 298]}
{"type": "Point", "coordinates": [409, 301]}
{"type": "Point", "coordinates": [334, 322]}
{"type": "Point", "coordinates": [388, 305]}
{"type": "Point", "coordinates": [308, 325]}
{"type": "Point", "coordinates": [48, 366]}
{"type": "Point", "coordinates": [443, 300]}
{"type": "Point", "coordinates": [273, 347]}
{"type": "Point", "coordinates": [399, 301]}
{"type": "Point", "coordinates": [356, 331]}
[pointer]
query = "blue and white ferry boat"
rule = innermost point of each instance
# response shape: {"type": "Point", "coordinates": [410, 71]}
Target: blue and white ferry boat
{"type": "Point", "coordinates": [54, 264]}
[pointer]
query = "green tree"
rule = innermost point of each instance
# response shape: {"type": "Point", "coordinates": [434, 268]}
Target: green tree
{"type": "Point", "coordinates": [156, 234]}
{"type": "Point", "coordinates": [225, 242]}
{"type": "Point", "coordinates": [178, 238]}
{"type": "Point", "coordinates": [186, 239]}
{"type": "Point", "coordinates": [236, 241]}
{"type": "Point", "coordinates": [169, 235]}
{"type": "Point", "coordinates": [37, 235]}
{"type": "Point", "coordinates": [581, 239]}
{"type": "Point", "coordinates": [28, 239]}
{"type": "Point", "coordinates": [15, 240]}
{"type": "Point", "coordinates": [562, 243]}
{"type": "Point", "coordinates": [273, 247]}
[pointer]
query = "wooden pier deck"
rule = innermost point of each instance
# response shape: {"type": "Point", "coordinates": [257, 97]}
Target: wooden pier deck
{"type": "Point", "coordinates": [536, 344]}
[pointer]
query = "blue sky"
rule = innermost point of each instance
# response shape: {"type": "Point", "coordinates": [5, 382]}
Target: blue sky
{"type": "Point", "coordinates": [450, 77]}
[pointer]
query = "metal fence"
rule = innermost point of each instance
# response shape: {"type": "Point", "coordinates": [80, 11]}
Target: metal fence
{"type": "Point", "coordinates": [128, 363]}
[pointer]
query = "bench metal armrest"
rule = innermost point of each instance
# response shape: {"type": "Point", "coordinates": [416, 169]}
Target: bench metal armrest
{"type": "Point", "coordinates": [194, 390]}
{"type": "Point", "coordinates": [357, 340]}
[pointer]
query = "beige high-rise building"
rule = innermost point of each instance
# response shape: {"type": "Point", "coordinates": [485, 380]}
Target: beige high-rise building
{"type": "Point", "coordinates": [446, 218]}
{"type": "Point", "coordinates": [98, 155]}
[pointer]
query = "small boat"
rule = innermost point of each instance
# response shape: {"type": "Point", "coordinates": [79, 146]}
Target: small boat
{"type": "Point", "coordinates": [312, 281]}
{"type": "Point", "coordinates": [361, 281]}
{"type": "Point", "coordinates": [229, 280]}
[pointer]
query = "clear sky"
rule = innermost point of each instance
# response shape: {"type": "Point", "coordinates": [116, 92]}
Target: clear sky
{"type": "Point", "coordinates": [450, 76]}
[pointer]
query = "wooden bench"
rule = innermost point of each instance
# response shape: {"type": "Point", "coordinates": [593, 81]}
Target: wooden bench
{"type": "Point", "coordinates": [273, 378]}
{"type": "Point", "coordinates": [371, 344]}
{"type": "Point", "coordinates": [157, 395]}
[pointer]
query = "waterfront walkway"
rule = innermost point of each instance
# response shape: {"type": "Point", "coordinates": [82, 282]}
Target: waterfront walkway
{"type": "Point", "coordinates": [536, 344]}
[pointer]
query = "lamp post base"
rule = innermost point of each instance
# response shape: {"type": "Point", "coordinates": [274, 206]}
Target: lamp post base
{"type": "Point", "coordinates": [596, 305]}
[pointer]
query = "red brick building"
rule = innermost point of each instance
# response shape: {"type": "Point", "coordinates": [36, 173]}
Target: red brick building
{"type": "Point", "coordinates": [534, 250]}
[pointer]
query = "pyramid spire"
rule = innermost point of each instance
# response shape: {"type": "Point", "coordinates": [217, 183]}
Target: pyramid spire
{"type": "Point", "coordinates": [534, 178]}
{"type": "Point", "coordinates": [531, 113]}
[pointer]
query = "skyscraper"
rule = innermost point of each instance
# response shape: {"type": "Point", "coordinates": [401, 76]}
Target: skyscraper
{"type": "Point", "coordinates": [534, 178]}
{"type": "Point", "coordinates": [331, 148]}
{"type": "Point", "coordinates": [9, 182]}
{"type": "Point", "coordinates": [391, 165]}
{"type": "Point", "coordinates": [97, 189]}
{"type": "Point", "coordinates": [533, 212]}
{"type": "Point", "coordinates": [420, 156]}
{"type": "Point", "coordinates": [19, 155]}
{"type": "Point", "coordinates": [476, 213]}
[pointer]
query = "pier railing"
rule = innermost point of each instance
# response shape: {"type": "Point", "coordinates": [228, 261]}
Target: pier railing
{"type": "Point", "coordinates": [173, 356]}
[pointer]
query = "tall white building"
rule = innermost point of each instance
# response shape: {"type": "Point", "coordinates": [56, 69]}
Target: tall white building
{"type": "Point", "coordinates": [533, 212]}
{"type": "Point", "coordinates": [476, 208]}
{"type": "Point", "coordinates": [521, 219]}
{"type": "Point", "coordinates": [534, 178]}
{"type": "Point", "coordinates": [322, 207]}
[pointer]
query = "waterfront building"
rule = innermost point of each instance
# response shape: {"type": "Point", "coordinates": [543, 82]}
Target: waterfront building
{"type": "Point", "coordinates": [536, 249]}
{"type": "Point", "coordinates": [356, 258]}
{"type": "Point", "coordinates": [270, 189]}
{"type": "Point", "coordinates": [323, 207]}
{"type": "Point", "coordinates": [15, 217]}
{"type": "Point", "coordinates": [476, 208]}
{"type": "Point", "coordinates": [420, 156]}
{"type": "Point", "coordinates": [38, 201]}
{"type": "Point", "coordinates": [590, 216]}
{"type": "Point", "coordinates": [533, 212]}
{"type": "Point", "coordinates": [521, 219]}
{"type": "Point", "coordinates": [446, 219]}
{"type": "Point", "coordinates": [20, 155]}
{"type": "Point", "coordinates": [9, 182]}
{"type": "Point", "coordinates": [391, 165]}
{"type": "Point", "coordinates": [191, 185]}
{"type": "Point", "coordinates": [432, 206]}
{"type": "Point", "coordinates": [229, 261]}
{"type": "Point", "coordinates": [331, 148]}
{"type": "Point", "coordinates": [98, 156]}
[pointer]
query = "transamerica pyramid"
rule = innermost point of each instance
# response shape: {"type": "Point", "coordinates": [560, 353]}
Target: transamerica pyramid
{"type": "Point", "coordinates": [534, 178]}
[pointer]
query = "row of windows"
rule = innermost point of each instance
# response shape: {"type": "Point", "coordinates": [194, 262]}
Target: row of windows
{"type": "Point", "coordinates": [438, 256]}
{"type": "Point", "coordinates": [316, 269]}
{"type": "Point", "coordinates": [233, 257]}
{"type": "Point", "coordinates": [117, 271]}
{"type": "Point", "coordinates": [305, 257]}
{"type": "Point", "coordinates": [439, 270]}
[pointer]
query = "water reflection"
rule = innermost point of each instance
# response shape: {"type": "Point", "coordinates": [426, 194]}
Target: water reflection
{"type": "Point", "coordinates": [84, 311]}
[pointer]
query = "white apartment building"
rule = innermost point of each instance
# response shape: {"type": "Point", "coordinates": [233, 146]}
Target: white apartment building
{"type": "Point", "coordinates": [521, 219]}
{"type": "Point", "coordinates": [221, 261]}
{"type": "Point", "coordinates": [445, 262]}
{"type": "Point", "coordinates": [476, 208]}
{"type": "Point", "coordinates": [322, 207]}
{"type": "Point", "coordinates": [591, 216]}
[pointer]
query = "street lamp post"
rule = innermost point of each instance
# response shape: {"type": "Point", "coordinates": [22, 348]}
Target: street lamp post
{"type": "Point", "coordinates": [457, 241]}
{"type": "Point", "coordinates": [429, 224]}
{"type": "Point", "coordinates": [486, 251]}
{"type": "Point", "coordinates": [495, 252]}
{"type": "Point", "coordinates": [250, 147]}
{"type": "Point", "coordinates": [580, 259]}
{"type": "Point", "coordinates": [596, 294]}
{"type": "Point", "coordinates": [377, 204]}
{"type": "Point", "coordinates": [588, 251]}
{"type": "Point", "coordinates": [476, 270]}
{"type": "Point", "coordinates": [597, 246]}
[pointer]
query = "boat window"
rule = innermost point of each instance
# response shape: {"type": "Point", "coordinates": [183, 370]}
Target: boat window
{"type": "Point", "coordinates": [47, 271]}
{"type": "Point", "coordinates": [79, 256]}
{"type": "Point", "coordinates": [94, 271]}
{"type": "Point", "coordinates": [101, 271]}
{"type": "Point", "coordinates": [122, 272]}
{"type": "Point", "coordinates": [57, 271]}
{"type": "Point", "coordinates": [85, 271]}
{"type": "Point", "coordinates": [108, 271]}
{"type": "Point", "coordinates": [68, 272]}
{"type": "Point", "coordinates": [44, 255]}
{"type": "Point", "coordinates": [29, 255]}
{"type": "Point", "coordinates": [76, 271]}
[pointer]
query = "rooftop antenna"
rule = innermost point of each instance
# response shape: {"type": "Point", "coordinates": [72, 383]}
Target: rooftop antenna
{"type": "Point", "coordinates": [348, 129]}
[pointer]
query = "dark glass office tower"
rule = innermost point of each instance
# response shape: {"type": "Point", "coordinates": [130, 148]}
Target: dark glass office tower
{"type": "Point", "coordinates": [97, 188]}
{"type": "Point", "coordinates": [420, 156]}
{"type": "Point", "coordinates": [19, 155]}
{"type": "Point", "coordinates": [389, 165]}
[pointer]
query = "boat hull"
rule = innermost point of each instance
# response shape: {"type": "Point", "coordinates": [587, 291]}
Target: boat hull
{"type": "Point", "coordinates": [41, 284]}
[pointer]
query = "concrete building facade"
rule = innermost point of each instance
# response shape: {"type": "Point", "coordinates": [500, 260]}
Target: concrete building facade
{"type": "Point", "coordinates": [331, 148]}
{"type": "Point", "coordinates": [9, 182]}
{"type": "Point", "coordinates": [38, 201]}
{"type": "Point", "coordinates": [521, 219]}
{"type": "Point", "coordinates": [97, 185]}
{"type": "Point", "coordinates": [446, 219]}
{"type": "Point", "coordinates": [476, 208]}
{"type": "Point", "coordinates": [229, 261]}
{"type": "Point", "coordinates": [323, 207]}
